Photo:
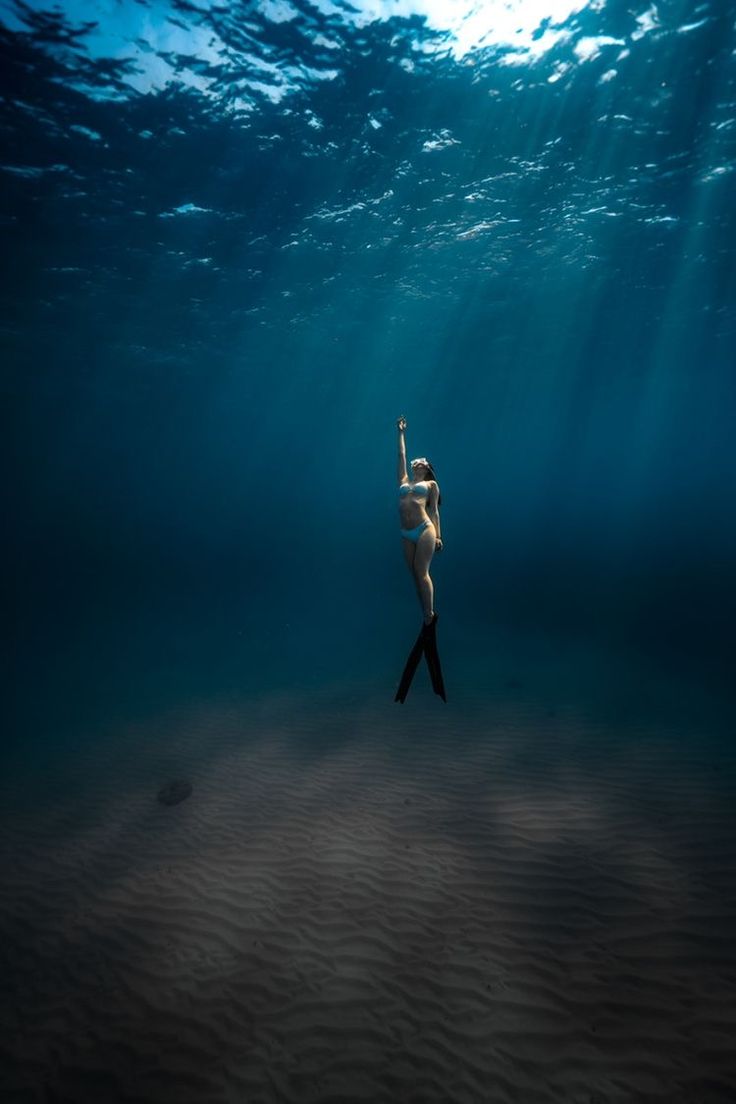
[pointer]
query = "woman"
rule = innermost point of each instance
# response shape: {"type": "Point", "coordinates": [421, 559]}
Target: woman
{"type": "Point", "coordinates": [419, 500]}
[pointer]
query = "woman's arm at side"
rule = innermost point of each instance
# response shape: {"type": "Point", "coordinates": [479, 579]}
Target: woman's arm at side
{"type": "Point", "coordinates": [401, 425]}
{"type": "Point", "coordinates": [433, 510]}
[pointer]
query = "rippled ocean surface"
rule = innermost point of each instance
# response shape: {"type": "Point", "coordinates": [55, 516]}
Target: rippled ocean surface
{"type": "Point", "coordinates": [241, 239]}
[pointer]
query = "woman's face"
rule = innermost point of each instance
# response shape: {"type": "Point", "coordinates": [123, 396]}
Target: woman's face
{"type": "Point", "coordinates": [419, 468]}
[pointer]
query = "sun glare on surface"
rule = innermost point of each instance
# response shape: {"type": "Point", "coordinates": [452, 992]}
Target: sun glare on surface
{"type": "Point", "coordinates": [529, 26]}
{"type": "Point", "coordinates": [233, 54]}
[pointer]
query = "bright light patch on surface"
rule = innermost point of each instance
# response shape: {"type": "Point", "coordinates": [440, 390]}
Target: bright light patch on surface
{"type": "Point", "coordinates": [647, 21]}
{"type": "Point", "coordinates": [588, 48]}
{"type": "Point", "coordinates": [687, 27]}
{"type": "Point", "coordinates": [186, 209]}
{"type": "Point", "coordinates": [442, 141]}
{"type": "Point", "coordinates": [716, 174]}
{"type": "Point", "coordinates": [475, 24]}
{"type": "Point", "coordinates": [278, 11]}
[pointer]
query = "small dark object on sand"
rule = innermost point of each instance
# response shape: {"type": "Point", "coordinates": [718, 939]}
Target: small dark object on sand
{"type": "Point", "coordinates": [174, 792]}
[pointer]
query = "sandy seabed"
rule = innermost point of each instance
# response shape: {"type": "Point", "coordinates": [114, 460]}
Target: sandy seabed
{"type": "Point", "coordinates": [488, 904]}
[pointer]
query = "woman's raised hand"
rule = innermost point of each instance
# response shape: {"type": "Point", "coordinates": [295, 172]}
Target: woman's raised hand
{"type": "Point", "coordinates": [401, 424]}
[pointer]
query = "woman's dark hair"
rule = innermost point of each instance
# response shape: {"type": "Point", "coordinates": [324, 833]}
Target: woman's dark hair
{"type": "Point", "coordinates": [430, 469]}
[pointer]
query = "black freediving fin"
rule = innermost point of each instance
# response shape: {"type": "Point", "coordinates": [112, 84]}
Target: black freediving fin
{"type": "Point", "coordinates": [426, 644]}
{"type": "Point", "coordinates": [410, 670]}
{"type": "Point", "coordinates": [432, 657]}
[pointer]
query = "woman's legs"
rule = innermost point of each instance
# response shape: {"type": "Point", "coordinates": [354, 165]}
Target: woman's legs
{"type": "Point", "coordinates": [418, 558]}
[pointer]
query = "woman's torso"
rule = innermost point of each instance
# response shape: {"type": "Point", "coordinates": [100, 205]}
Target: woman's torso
{"type": "Point", "coordinates": [413, 502]}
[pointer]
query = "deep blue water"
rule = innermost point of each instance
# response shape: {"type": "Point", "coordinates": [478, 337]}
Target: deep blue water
{"type": "Point", "coordinates": [241, 240]}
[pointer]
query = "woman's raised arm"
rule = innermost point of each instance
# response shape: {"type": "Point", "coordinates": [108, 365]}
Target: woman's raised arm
{"type": "Point", "coordinates": [401, 426]}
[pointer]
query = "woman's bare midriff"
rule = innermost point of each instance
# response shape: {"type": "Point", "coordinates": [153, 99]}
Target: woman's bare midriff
{"type": "Point", "coordinates": [412, 512]}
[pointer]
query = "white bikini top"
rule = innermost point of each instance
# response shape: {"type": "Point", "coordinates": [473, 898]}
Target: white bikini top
{"type": "Point", "coordinates": [421, 488]}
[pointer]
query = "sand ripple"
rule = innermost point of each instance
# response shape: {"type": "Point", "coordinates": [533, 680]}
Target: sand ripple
{"type": "Point", "coordinates": [372, 909]}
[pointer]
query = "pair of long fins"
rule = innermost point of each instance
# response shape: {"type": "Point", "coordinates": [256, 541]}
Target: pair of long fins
{"type": "Point", "coordinates": [426, 645]}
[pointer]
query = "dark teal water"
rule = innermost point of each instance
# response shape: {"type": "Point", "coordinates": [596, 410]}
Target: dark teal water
{"type": "Point", "coordinates": [240, 240]}
{"type": "Point", "coordinates": [243, 240]}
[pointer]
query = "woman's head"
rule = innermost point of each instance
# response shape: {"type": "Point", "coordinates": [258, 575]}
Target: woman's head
{"type": "Point", "coordinates": [422, 469]}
